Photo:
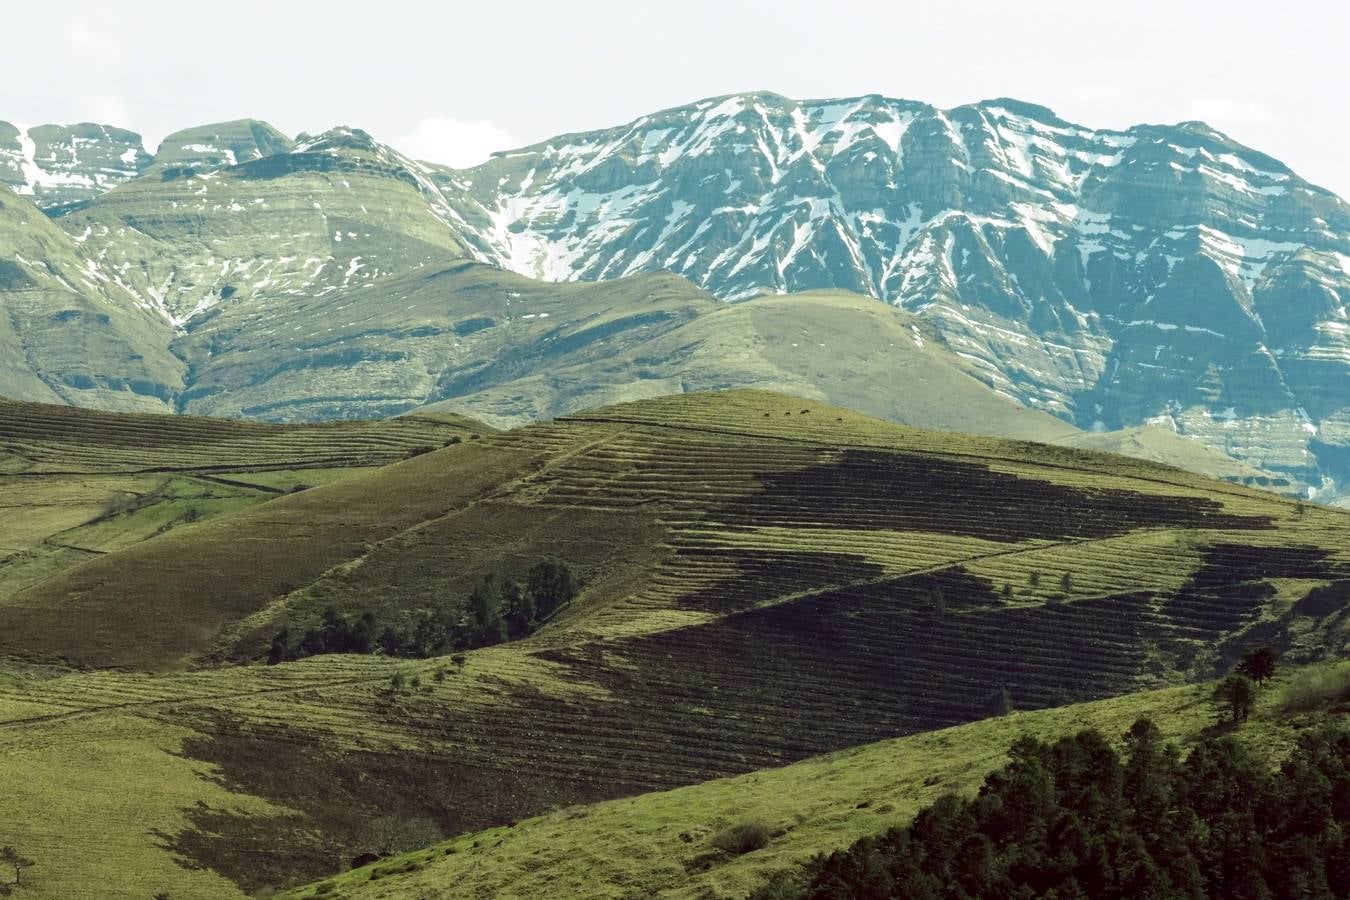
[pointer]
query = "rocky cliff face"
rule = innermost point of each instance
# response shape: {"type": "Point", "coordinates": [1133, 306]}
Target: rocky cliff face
{"type": "Point", "coordinates": [1160, 275]}
{"type": "Point", "coordinates": [68, 332]}
{"type": "Point", "coordinates": [222, 144]}
{"type": "Point", "coordinates": [57, 165]}
{"type": "Point", "coordinates": [331, 214]}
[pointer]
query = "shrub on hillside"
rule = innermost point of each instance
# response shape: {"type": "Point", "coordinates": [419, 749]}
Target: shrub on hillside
{"type": "Point", "coordinates": [743, 837]}
{"type": "Point", "coordinates": [402, 834]}
{"type": "Point", "coordinates": [125, 502]}
{"type": "Point", "coordinates": [1317, 688]}
{"type": "Point", "coordinates": [15, 862]}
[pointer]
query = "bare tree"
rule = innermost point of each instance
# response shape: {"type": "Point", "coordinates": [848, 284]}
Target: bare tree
{"type": "Point", "coordinates": [17, 863]}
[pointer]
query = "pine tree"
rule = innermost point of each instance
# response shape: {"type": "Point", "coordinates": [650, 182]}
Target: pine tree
{"type": "Point", "coordinates": [1234, 695]}
{"type": "Point", "coordinates": [485, 605]}
{"type": "Point", "coordinates": [551, 584]}
{"type": "Point", "coordinates": [1074, 819]}
{"type": "Point", "coordinates": [280, 649]}
{"type": "Point", "coordinates": [1258, 665]}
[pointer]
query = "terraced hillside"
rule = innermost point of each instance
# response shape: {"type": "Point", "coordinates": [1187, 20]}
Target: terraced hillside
{"type": "Point", "coordinates": [38, 439]}
{"type": "Point", "coordinates": [765, 579]}
{"type": "Point", "coordinates": [77, 484]}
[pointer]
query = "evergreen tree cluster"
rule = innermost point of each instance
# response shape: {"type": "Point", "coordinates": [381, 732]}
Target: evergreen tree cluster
{"type": "Point", "coordinates": [496, 610]}
{"type": "Point", "coordinates": [1076, 819]}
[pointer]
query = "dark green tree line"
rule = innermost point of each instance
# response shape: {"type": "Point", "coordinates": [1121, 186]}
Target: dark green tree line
{"type": "Point", "coordinates": [1077, 819]}
{"type": "Point", "coordinates": [496, 610]}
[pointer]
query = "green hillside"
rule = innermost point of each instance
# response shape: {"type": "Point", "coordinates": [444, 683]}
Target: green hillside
{"type": "Point", "coordinates": [765, 579]}
{"type": "Point", "coordinates": [77, 484]}
{"type": "Point", "coordinates": [831, 346]}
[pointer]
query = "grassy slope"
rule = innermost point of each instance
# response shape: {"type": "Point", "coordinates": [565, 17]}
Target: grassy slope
{"type": "Point", "coordinates": [566, 488]}
{"type": "Point", "coordinates": [39, 439]}
{"type": "Point", "coordinates": [830, 346]}
{"type": "Point", "coordinates": [77, 484]}
{"type": "Point", "coordinates": [193, 581]}
{"type": "Point", "coordinates": [1165, 446]}
{"type": "Point", "coordinates": [758, 592]}
{"type": "Point", "coordinates": [656, 845]}
{"type": "Point", "coordinates": [69, 335]}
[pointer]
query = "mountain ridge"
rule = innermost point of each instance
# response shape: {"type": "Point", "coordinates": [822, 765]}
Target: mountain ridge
{"type": "Point", "coordinates": [1160, 275]}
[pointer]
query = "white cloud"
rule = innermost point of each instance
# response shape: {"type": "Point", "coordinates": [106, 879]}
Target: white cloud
{"type": "Point", "coordinates": [95, 44]}
{"type": "Point", "coordinates": [106, 109]}
{"type": "Point", "coordinates": [455, 143]}
{"type": "Point", "coordinates": [1226, 114]}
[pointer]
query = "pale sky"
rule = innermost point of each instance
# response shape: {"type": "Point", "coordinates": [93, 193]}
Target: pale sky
{"type": "Point", "coordinates": [452, 81]}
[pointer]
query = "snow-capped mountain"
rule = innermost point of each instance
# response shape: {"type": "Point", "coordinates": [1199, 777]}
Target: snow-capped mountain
{"type": "Point", "coordinates": [55, 165]}
{"type": "Point", "coordinates": [326, 214]}
{"type": "Point", "coordinates": [1160, 274]}
{"type": "Point", "coordinates": [1163, 274]}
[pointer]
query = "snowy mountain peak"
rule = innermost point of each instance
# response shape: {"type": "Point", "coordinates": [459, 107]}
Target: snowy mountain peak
{"type": "Point", "coordinates": [221, 144]}
{"type": "Point", "coordinates": [1106, 276]}
{"type": "Point", "coordinates": [56, 165]}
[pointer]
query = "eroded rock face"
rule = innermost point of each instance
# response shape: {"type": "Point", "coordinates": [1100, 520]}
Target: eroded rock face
{"type": "Point", "coordinates": [333, 213]}
{"type": "Point", "coordinates": [69, 333]}
{"type": "Point", "coordinates": [59, 165]}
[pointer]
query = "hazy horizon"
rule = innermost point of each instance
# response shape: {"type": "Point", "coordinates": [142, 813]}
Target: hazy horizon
{"type": "Point", "coordinates": [453, 86]}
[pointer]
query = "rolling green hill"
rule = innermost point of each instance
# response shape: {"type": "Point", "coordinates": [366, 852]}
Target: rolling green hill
{"type": "Point", "coordinates": [830, 346]}
{"type": "Point", "coordinates": [244, 275]}
{"type": "Point", "coordinates": [766, 579]}
{"type": "Point", "coordinates": [77, 484]}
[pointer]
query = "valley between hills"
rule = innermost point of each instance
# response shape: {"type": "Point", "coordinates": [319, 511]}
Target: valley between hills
{"type": "Point", "coordinates": [785, 611]}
